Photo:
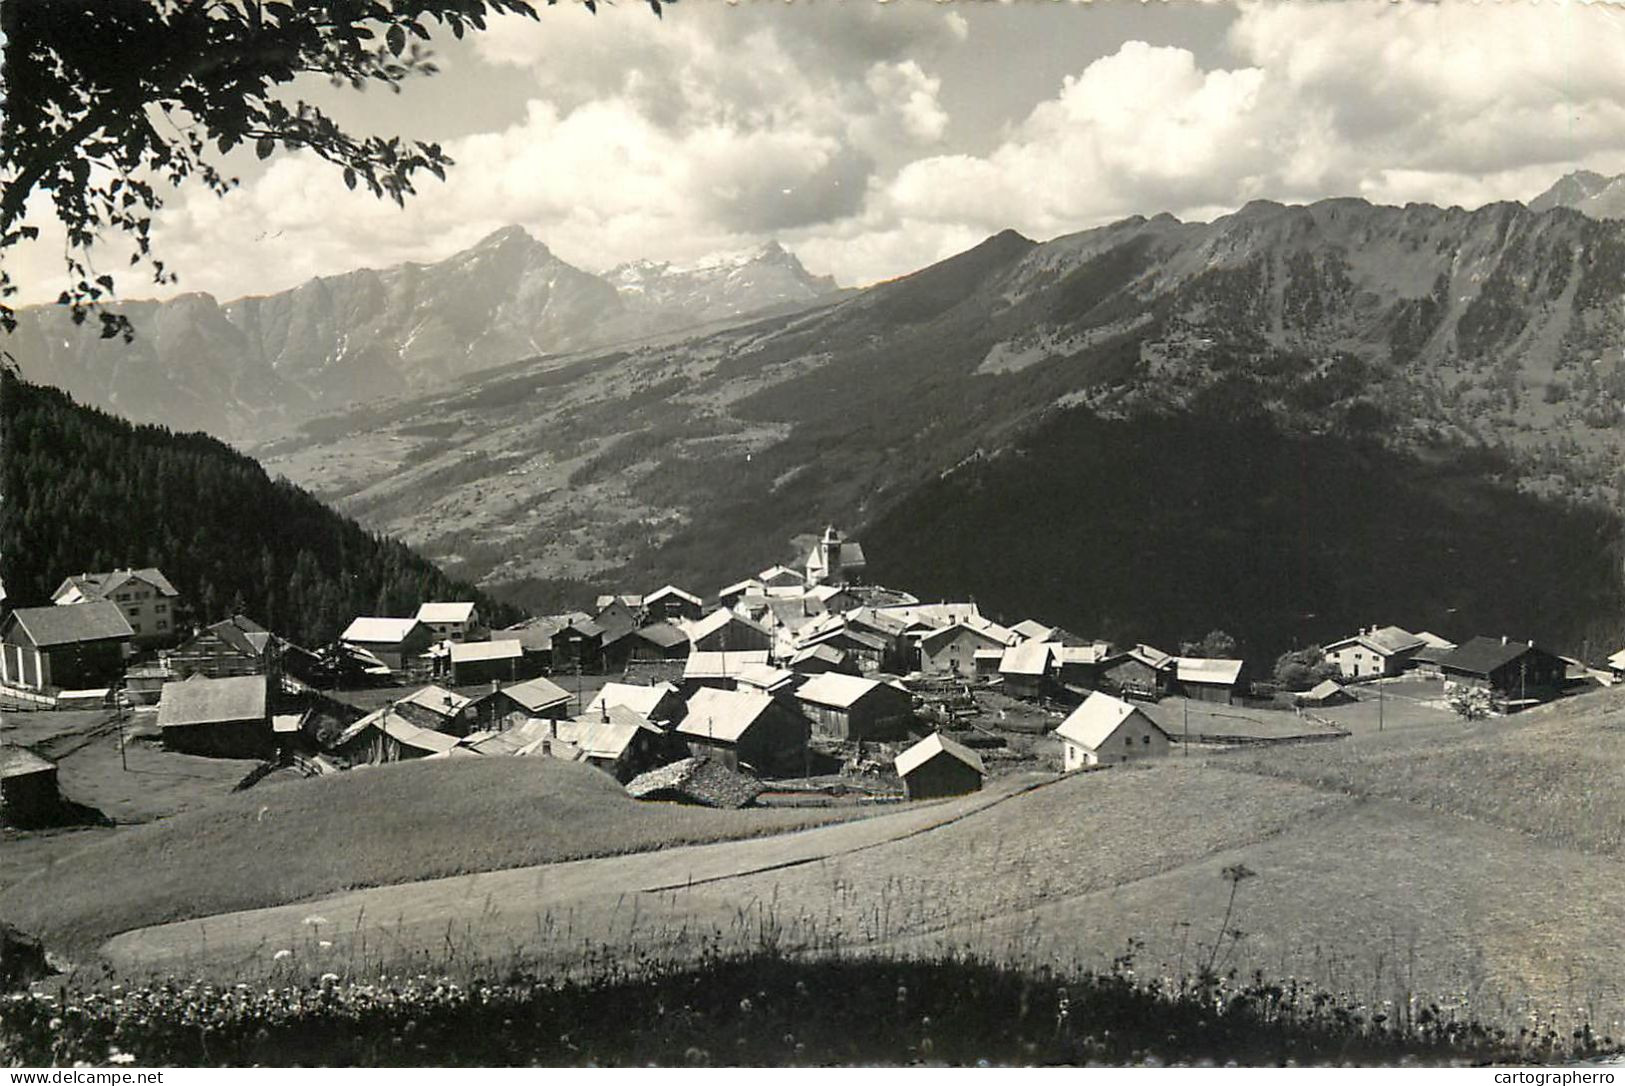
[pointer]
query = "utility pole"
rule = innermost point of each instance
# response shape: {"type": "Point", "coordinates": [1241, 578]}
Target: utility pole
{"type": "Point", "coordinates": [118, 709]}
{"type": "Point", "coordinates": [1379, 703]}
{"type": "Point", "coordinates": [1186, 742]}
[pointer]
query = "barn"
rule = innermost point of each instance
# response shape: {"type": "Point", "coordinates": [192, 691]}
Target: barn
{"type": "Point", "coordinates": [486, 661]}
{"type": "Point", "coordinates": [937, 766]}
{"type": "Point", "coordinates": [532, 699]}
{"type": "Point", "coordinates": [660, 703]}
{"type": "Point", "coordinates": [1142, 672]}
{"type": "Point", "coordinates": [853, 708]}
{"type": "Point", "coordinates": [69, 646]}
{"type": "Point", "coordinates": [1514, 670]}
{"type": "Point", "coordinates": [1025, 669]}
{"type": "Point", "coordinates": [28, 788]}
{"type": "Point", "coordinates": [1217, 681]}
{"type": "Point", "coordinates": [1105, 730]}
{"type": "Point", "coordinates": [387, 736]}
{"type": "Point", "coordinates": [396, 642]}
{"type": "Point", "coordinates": [222, 718]}
{"type": "Point", "coordinates": [725, 631]}
{"type": "Point", "coordinates": [745, 729]}
{"type": "Point", "coordinates": [438, 709]}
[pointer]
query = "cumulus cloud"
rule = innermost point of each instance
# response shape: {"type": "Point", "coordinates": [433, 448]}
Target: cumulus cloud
{"type": "Point", "coordinates": [829, 126]}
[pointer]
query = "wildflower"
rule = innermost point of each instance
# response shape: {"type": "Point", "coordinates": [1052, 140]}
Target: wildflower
{"type": "Point", "coordinates": [745, 1005]}
{"type": "Point", "coordinates": [315, 920]}
{"type": "Point", "coordinates": [281, 954]}
{"type": "Point", "coordinates": [325, 944]}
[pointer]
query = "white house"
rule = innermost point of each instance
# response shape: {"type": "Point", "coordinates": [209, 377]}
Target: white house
{"type": "Point", "coordinates": [1374, 652]}
{"type": "Point", "coordinates": [1104, 730]}
{"type": "Point", "coordinates": [449, 621]}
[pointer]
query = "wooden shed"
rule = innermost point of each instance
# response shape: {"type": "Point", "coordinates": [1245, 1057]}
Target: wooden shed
{"type": "Point", "coordinates": [221, 718]}
{"type": "Point", "coordinates": [69, 646]}
{"type": "Point", "coordinates": [28, 788]}
{"type": "Point", "coordinates": [937, 766]}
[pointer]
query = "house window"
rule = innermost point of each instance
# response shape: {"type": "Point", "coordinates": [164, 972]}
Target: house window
{"type": "Point", "coordinates": [1128, 740]}
{"type": "Point", "coordinates": [1146, 739]}
{"type": "Point", "coordinates": [161, 609]}
{"type": "Point", "coordinates": [133, 612]}
{"type": "Point", "coordinates": [122, 596]}
{"type": "Point", "coordinates": [162, 624]}
{"type": "Point", "coordinates": [135, 626]}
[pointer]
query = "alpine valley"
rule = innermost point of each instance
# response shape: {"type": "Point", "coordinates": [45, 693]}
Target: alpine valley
{"type": "Point", "coordinates": [1270, 422]}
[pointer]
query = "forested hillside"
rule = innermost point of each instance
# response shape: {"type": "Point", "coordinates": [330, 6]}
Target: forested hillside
{"type": "Point", "coordinates": [85, 491]}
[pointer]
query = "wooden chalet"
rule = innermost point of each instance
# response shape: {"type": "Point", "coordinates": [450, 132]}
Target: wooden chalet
{"type": "Point", "coordinates": [672, 604]}
{"type": "Point", "coordinates": [386, 736]}
{"type": "Point", "coordinates": [486, 661]}
{"type": "Point", "coordinates": [1140, 672]}
{"type": "Point", "coordinates": [952, 649]}
{"type": "Point", "coordinates": [506, 706]}
{"type": "Point", "coordinates": [1374, 652]}
{"type": "Point", "coordinates": [1517, 672]}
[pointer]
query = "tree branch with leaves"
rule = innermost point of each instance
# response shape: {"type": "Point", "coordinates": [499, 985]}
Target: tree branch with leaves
{"type": "Point", "coordinates": [108, 100]}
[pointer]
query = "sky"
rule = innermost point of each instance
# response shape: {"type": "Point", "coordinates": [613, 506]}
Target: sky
{"type": "Point", "coordinates": [873, 138]}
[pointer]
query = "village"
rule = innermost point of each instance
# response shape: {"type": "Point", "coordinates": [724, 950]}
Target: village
{"type": "Point", "coordinates": [793, 686]}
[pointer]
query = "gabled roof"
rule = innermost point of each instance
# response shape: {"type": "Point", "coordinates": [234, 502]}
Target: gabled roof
{"type": "Point", "coordinates": [1027, 658]}
{"type": "Point", "coordinates": [741, 587]}
{"type": "Point", "coordinates": [22, 762]}
{"type": "Point", "coordinates": [660, 634]}
{"type": "Point", "coordinates": [1326, 688]}
{"type": "Point", "coordinates": [766, 677]}
{"type": "Point", "coordinates": [67, 624]}
{"type": "Point", "coordinates": [242, 634]}
{"type": "Point", "coordinates": [398, 728]}
{"type": "Point", "coordinates": [827, 653]}
{"type": "Point", "coordinates": [1153, 658]}
{"type": "Point", "coordinates": [937, 745]}
{"type": "Point", "coordinates": [631, 601]}
{"type": "Point", "coordinates": [380, 631]}
{"type": "Point", "coordinates": [670, 590]}
{"type": "Point", "coordinates": [721, 665]}
{"type": "Point", "coordinates": [793, 613]}
{"type": "Point", "coordinates": [991, 628]}
{"type": "Point", "coordinates": [932, 614]}
{"type": "Point", "coordinates": [1094, 722]}
{"type": "Point", "coordinates": [1483, 655]}
{"type": "Point", "coordinates": [597, 738]}
{"type": "Point", "coordinates": [642, 700]}
{"type": "Point", "coordinates": [1195, 669]}
{"type": "Point", "coordinates": [446, 612]}
{"type": "Point", "coordinates": [702, 628]}
{"type": "Point", "coordinates": [1082, 654]}
{"type": "Point", "coordinates": [91, 585]}
{"type": "Point", "coordinates": [936, 638]}
{"type": "Point", "coordinates": [1032, 630]}
{"type": "Point", "coordinates": [439, 700]}
{"type": "Point", "coordinates": [1617, 660]}
{"type": "Point", "coordinates": [534, 695]}
{"type": "Point", "coordinates": [872, 641]}
{"type": "Point", "coordinates": [871, 619]}
{"type": "Point", "coordinates": [772, 573]}
{"type": "Point", "coordinates": [1385, 640]}
{"type": "Point", "coordinates": [852, 557]}
{"type": "Point", "coordinates": [836, 690]}
{"type": "Point", "coordinates": [469, 652]}
{"type": "Point", "coordinates": [724, 715]}
{"type": "Point", "coordinates": [1433, 640]}
{"type": "Point", "coordinates": [212, 701]}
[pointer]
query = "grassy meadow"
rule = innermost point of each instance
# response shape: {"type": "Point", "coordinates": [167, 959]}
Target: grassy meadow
{"type": "Point", "coordinates": [370, 827]}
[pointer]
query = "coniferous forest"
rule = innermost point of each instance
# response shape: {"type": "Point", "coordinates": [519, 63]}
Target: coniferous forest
{"type": "Point", "coordinates": [82, 490]}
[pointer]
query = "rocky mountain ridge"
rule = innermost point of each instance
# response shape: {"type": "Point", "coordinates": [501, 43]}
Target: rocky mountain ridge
{"type": "Point", "coordinates": [254, 366]}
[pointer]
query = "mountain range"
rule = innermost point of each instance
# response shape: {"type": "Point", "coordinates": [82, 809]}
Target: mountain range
{"type": "Point", "coordinates": [257, 366]}
{"type": "Point", "coordinates": [1281, 422]}
{"type": "Point", "coordinates": [1471, 357]}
